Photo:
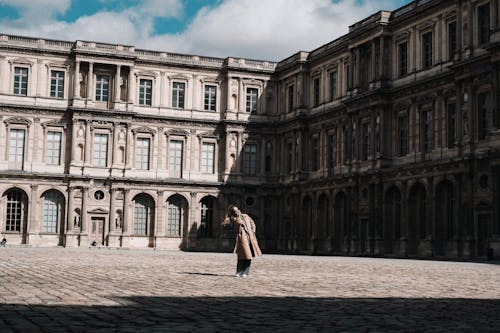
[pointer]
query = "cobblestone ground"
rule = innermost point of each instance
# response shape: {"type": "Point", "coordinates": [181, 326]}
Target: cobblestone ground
{"type": "Point", "coordinates": [101, 290]}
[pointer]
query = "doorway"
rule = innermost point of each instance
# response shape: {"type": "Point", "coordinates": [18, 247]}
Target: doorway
{"type": "Point", "coordinates": [97, 231]}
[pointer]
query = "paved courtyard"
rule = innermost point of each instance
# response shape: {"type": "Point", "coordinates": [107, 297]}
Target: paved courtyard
{"type": "Point", "coordinates": [101, 290]}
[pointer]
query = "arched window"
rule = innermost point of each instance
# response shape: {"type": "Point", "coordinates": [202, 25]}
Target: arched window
{"type": "Point", "coordinates": [177, 206]}
{"type": "Point", "coordinates": [53, 205]}
{"type": "Point", "coordinates": [206, 218]}
{"type": "Point", "coordinates": [16, 203]}
{"type": "Point", "coordinates": [143, 214]}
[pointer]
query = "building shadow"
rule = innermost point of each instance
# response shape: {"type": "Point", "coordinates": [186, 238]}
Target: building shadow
{"type": "Point", "coordinates": [265, 314]}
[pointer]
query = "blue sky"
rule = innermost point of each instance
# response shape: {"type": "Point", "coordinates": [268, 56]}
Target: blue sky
{"type": "Point", "coordinates": [257, 29]}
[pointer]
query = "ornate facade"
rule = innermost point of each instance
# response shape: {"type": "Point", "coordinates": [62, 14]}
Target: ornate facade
{"type": "Point", "coordinates": [384, 141]}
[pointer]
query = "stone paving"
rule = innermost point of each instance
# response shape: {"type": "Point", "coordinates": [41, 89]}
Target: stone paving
{"type": "Point", "coordinates": [107, 290]}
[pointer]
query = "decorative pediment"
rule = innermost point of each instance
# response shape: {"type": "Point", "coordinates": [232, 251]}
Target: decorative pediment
{"type": "Point", "coordinates": [21, 61]}
{"type": "Point", "coordinates": [147, 73]}
{"type": "Point", "coordinates": [182, 77]}
{"type": "Point", "coordinates": [54, 123]}
{"type": "Point", "coordinates": [177, 131]}
{"type": "Point", "coordinates": [18, 120]}
{"type": "Point", "coordinates": [57, 65]}
{"type": "Point", "coordinates": [143, 129]}
{"type": "Point", "coordinates": [427, 24]}
{"type": "Point", "coordinates": [212, 135]}
{"type": "Point", "coordinates": [426, 99]}
{"type": "Point", "coordinates": [402, 36]}
{"type": "Point", "coordinates": [98, 211]}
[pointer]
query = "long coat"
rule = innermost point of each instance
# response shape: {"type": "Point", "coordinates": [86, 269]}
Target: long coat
{"type": "Point", "coordinates": [246, 243]}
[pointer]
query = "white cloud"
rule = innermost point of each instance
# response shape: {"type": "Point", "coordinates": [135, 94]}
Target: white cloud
{"type": "Point", "coordinates": [259, 29]}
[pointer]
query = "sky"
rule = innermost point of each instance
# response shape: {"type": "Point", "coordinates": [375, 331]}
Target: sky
{"type": "Point", "coordinates": [253, 29]}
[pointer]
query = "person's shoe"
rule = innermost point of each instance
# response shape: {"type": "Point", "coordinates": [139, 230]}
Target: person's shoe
{"type": "Point", "coordinates": [237, 275]}
{"type": "Point", "coordinates": [244, 275]}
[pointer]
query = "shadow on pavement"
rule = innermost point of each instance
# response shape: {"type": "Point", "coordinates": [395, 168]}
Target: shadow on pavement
{"type": "Point", "coordinates": [265, 314]}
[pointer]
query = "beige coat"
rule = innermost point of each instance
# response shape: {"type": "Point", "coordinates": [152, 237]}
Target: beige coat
{"type": "Point", "coordinates": [246, 240]}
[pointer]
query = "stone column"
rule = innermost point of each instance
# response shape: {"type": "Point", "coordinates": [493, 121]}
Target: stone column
{"type": "Point", "coordinates": [69, 213]}
{"type": "Point", "coordinates": [162, 89]}
{"type": "Point", "coordinates": [39, 80]}
{"type": "Point", "coordinates": [128, 147]}
{"type": "Point", "coordinates": [117, 83]}
{"type": "Point", "coordinates": [90, 82]}
{"type": "Point", "coordinates": [374, 61]}
{"type": "Point", "coordinates": [381, 58]}
{"type": "Point", "coordinates": [112, 213]}
{"type": "Point", "coordinates": [76, 80]}
{"type": "Point", "coordinates": [350, 73]}
{"type": "Point", "coordinates": [114, 150]}
{"type": "Point", "coordinates": [160, 217]}
{"type": "Point", "coordinates": [33, 224]}
{"type": "Point", "coordinates": [127, 214]}
{"type": "Point", "coordinates": [131, 85]}
{"type": "Point", "coordinates": [357, 67]}
{"type": "Point", "coordinates": [88, 143]}
{"type": "Point", "coordinates": [84, 217]}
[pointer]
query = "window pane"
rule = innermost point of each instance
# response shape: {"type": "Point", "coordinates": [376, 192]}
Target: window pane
{"type": "Point", "coordinates": [102, 88]}
{"type": "Point", "coordinates": [142, 154]}
{"type": "Point", "coordinates": [16, 146]}
{"type": "Point", "coordinates": [207, 157]}
{"type": "Point", "coordinates": [20, 81]}
{"type": "Point", "coordinates": [54, 147]}
{"type": "Point", "coordinates": [57, 84]}
{"type": "Point", "coordinates": [210, 98]}
{"type": "Point", "coordinates": [175, 158]}
{"type": "Point", "coordinates": [250, 159]}
{"type": "Point", "coordinates": [178, 89]}
{"type": "Point", "coordinates": [51, 206]}
{"type": "Point", "coordinates": [145, 92]}
{"type": "Point", "coordinates": [251, 99]}
{"type": "Point", "coordinates": [100, 150]}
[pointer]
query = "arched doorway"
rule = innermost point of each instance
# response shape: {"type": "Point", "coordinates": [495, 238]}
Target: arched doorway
{"type": "Point", "coordinates": [392, 219]}
{"type": "Point", "coordinates": [177, 216]}
{"type": "Point", "coordinates": [206, 217]}
{"type": "Point", "coordinates": [16, 213]}
{"type": "Point", "coordinates": [144, 210]}
{"type": "Point", "coordinates": [445, 217]}
{"type": "Point", "coordinates": [305, 223]}
{"type": "Point", "coordinates": [417, 222]}
{"type": "Point", "coordinates": [53, 214]}
{"type": "Point", "coordinates": [340, 222]}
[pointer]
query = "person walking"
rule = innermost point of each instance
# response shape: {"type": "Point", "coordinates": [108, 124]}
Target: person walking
{"type": "Point", "coordinates": [246, 246]}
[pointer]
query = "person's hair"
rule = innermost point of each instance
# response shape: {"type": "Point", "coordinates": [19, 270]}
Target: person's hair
{"type": "Point", "coordinates": [230, 210]}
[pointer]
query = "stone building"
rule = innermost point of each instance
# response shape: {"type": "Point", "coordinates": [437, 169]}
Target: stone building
{"type": "Point", "coordinates": [384, 141]}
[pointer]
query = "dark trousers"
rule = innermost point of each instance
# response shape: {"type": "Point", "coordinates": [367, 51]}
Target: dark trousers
{"type": "Point", "coordinates": [243, 266]}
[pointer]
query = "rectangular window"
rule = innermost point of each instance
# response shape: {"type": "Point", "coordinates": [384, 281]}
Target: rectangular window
{"type": "Point", "coordinates": [482, 112]}
{"type": "Point", "coordinates": [426, 123]}
{"type": "Point", "coordinates": [20, 81]}
{"type": "Point", "coordinates": [289, 157]}
{"type": "Point", "coordinates": [314, 153]}
{"type": "Point", "coordinates": [333, 85]}
{"type": "Point", "coordinates": [402, 135]}
{"type": "Point", "coordinates": [402, 59]}
{"type": "Point", "coordinates": [250, 159]}
{"type": "Point", "coordinates": [365, 136]}
{"type": "Point", "coordinates": [16, 148]}
{"type": "Point", "coordinates": [101, 88]}
{"type": "Point", "coordinates": [57, 84]}
{"type": "Point", "coordinates": [142, 154]}
{"type": "Point", "coordinates": [483, 23]}
{"type": "Point", "coordinates": [291, 98]}
{"type": "Point", "coordinates": [252, 94]}
{"type": "Point", "coordinates": [145, 92]}
{"type": "Point", "coordinates": [316, 91]}
{"type": "Point", "coordinates": [14, 211]}
{"type": "Point", "coordinates": [140, 219]}
{"type": "Point", "coordinates": [451, 117]}
{"type": "Point", "coordinates": [178, 94]}
{"type": "Point", "coordinates": [331, 155]}
{"type": "Point", "coordinates": [452, 39]}
{"type": "Point", "coordinates": [100, 150]}
{"type": "Point", "coordinates": [50, 213]}
{"type": "Point", "coordinates": [210, 99]}
{"type": "Point", "coordinates": [54, 147]}
{"type": "Point", "coordinates": [207, 157]}
{"type": "Point", "coordinates": [174, 220]}
{"type": "Point", "coordinates": [427, 50]}
{"type": "Point", "coordinates": [175, 158]}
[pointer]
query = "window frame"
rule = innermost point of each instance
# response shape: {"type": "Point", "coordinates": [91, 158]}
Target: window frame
{"type": "Point", "coordinates": [47, 149]}
{"type": "Point", "coordinates": [21, 76]}
{"type": "Point", "coordinates": [452, 38]}
{"type": "Point", "coordinates": [402, 134]}
{"type": "Point", "coordinates": [427, 49]}
{"type": "Point", "coordinates": [15, 164]}
{"type": "Point", "coordinates": [290, 97]}
{"type": "Point", "coordinates": [57, 86]}
{"type": "Point", "coordinates": [173, 173]}
{"type": "Point", "coordinates": [176, 94]}
{"type": "Point", "coordinates": [140, 165]}
{"type": "Point", "coordinates": [143, 91]}
{"type": "Point", "coordinates": [95, 144]}
{"type": "Point", "coordinates": [204, 166]}
{"type": "Point", "coordinates": [210, 98]}
{"type": "Point", "coordinates": [332, 84]}
{"type": "Point", "coordinates": [480, 24]}
{"type": "Point", "coordinates": [402, 70]}
{"type": "Point", "coordinates": [99, 93]}
{"type": "Point", "coordinates": [316, 90]}
{"type": "Point", "coordinates": [249, 94]}
{"type": "Point", "coordinates": [249, 161]}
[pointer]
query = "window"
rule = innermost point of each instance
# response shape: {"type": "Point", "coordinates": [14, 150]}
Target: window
{"type": "Point", "coordinates": [175, 158]}
{"type": "Point", "coordinates": [315, 153]}
{"type": "Point", "coordinates": [402, 135]}
{"type": "Point", "coordinates": [250, 159]}
{"type": "Point", "coordinates": [101, 88]}
{"type": "Point", "coordinates": [51, 211]}
{"type": "Point", "coordinates": [365, 137]}
{"type": "Point", "coordinates": [427, 50]}
{"type": "Point", "coordinates": [426, 124]}
{"type": "Point", "coordinates": [57, 84]}
{"type": "Point", "coordinates": [291, 97]}
{"type": "Point", "coordinates": [143, 209]}
{"type": "Point", "coordinates": [316, 91]}
{"type": "Point", "coordinates": [482, 110]}
{"type": "Point", "coordinates": [206, 217]}
{"type": "Point", "coordinates": [16, 147]}
{"type": "Point", "coordinates": [252, 94]}
{"type": "Point", "coordinates": [142, 154]}
{"type": "Point", "coordinates": [483, 23]}
{"type": "Point", "coordinates": [20, 81]}
{"type": "Point", "coordinates": [207, 157]}
{"type": "Point", "coordinates": [145, 92]}
{"type": "Point", "coordinates": [451, 124]}
{"type": "Point", "coordinates": [174, 216]}
{"type": "Point", "coordinates": [54, 147]}
{"type": "Point", "coordinates": [452, 39]}
{"type": "Point", "coordinates": [402, 59]}
{"type": "Point", "coordinates": [14, 210]}
{"type": "Point", "coordinates": [178, 93]}
{"type": "Point", "coordinates": [210, 99]}
{"type": "Point", "coordinates": [333, 85]}
{"type": "Point", "coordinates": [289, 157]}
{"type": "Point", "coordinates": [100, 150]}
